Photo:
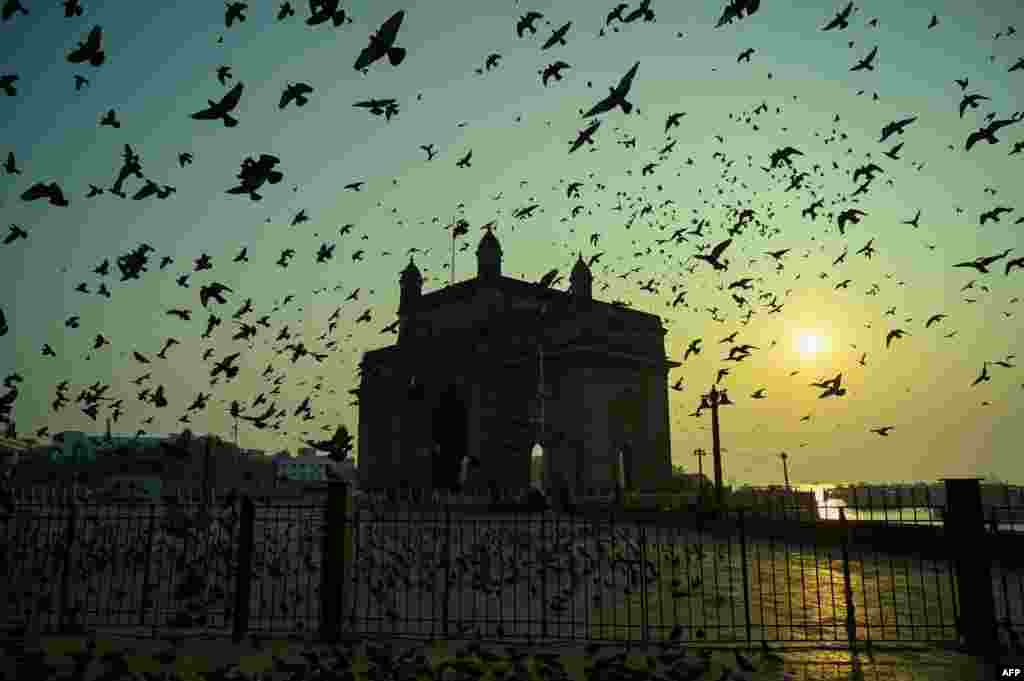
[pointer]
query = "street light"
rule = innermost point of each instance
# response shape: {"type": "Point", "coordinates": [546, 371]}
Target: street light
{"type": "Point", "coordinates": [785, 469]}
{"type": "Point", "coordinates": [712, 400]}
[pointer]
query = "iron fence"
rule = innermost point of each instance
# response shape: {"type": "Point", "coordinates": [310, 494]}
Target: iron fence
{"type": "Point", "coordinates": [410, 564]}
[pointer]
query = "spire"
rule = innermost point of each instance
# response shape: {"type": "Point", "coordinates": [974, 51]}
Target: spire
{"type": "Point", "coordinates": [581, 279]}
{"type": "Point", "coordinates": [410, 286]}
{"type": "Point", "coordinates": [488, 255]}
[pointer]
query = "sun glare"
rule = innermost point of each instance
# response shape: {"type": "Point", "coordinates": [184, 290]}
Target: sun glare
{"type": "Point", "coordinates": [809, 344]}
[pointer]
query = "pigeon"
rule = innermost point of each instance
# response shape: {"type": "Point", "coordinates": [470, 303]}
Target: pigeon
{"type": "Point", "coordinates": [89, 51]}
{"type": "Point", "coordinates": [41, 190]}
{"type": "Point", "coordinates": [558, 37]}
{"type": "Point", "coordinates": [322, 11]}
{"type": "Point", "coordinates": [14, 233]}
{"type": "Point", "coordinates": [526, 23]}
{"type": "Point", "coordinates": [616, 96]}
{"type": "Point", "coordinates": [295, 92]}
{"type": "Point", "coordinates": [553, 70]}
{"type": "Point", "coordinates": [221, 110]}
{"type": "Point", "coordinates": [7, 84]}
{"type": "Point", "coordinates": [383, 43]}
{"type": "Point", "coordinates": [234, 12]}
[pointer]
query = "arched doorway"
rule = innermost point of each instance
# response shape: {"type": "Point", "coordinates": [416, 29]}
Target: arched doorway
{"type": "Point", "coordinates": [624, 426]}
{"type": "Point", "coordinates": [448, 426]}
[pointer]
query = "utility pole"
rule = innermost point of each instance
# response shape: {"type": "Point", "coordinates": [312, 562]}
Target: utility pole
{"type": "Point", "coordinates": [785, 469]}
{"type": "Point", "coordinates": [712, 400]}
{"type": "Point", "coordinates": [700, 454]}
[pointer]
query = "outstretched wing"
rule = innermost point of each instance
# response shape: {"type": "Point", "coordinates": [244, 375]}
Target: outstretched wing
{"type": "Point", "coordinates": [231, 99]}
{"type": "Point", "coordinates": [627, 81]}
{"type": "Point", "coordinates": [720, 248]}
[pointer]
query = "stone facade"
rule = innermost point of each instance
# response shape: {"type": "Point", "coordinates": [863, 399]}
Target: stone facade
{"type": "Point", "coordinates": [463, 379]}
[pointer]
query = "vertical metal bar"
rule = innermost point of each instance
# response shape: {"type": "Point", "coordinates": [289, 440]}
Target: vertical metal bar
{"type": "Point", "coordinates": [851, 622]}
{"type": "Point", "coordinates": [965, 532]}
{"type": "Point", "coordinates": [544, 577]}
{"type": "Point", "coordinates": [146, 586]}
{"type": "Point", "coordinates": [65, 578]}
{"type": "Point", "coordinates": [644, 619]}
{"type": "Point", "coordinates": [243, 575]}
{"type": "Point", "coordinates": [447, 563]}
{"type": "Point", "coordinates": [746, 577]}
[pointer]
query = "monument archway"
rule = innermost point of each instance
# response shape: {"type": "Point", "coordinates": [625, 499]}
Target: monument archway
{"type": "Point", "coordinates": [449, 425]}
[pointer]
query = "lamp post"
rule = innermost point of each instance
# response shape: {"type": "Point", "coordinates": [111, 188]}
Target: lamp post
{"type": "Point", "coordinates": [700, 453]}
{"type": "Point", "coordinates": [785, 469]}
{"type": "Point", "coordinates": [712, 400]}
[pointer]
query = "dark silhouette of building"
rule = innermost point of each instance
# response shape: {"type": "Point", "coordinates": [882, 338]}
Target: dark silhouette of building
{"type": "Point", "coordinates": [463, 379]}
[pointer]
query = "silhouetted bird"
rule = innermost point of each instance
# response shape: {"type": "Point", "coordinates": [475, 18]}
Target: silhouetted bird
{"type": "Point", "coordinates": [51, 191]}
{"type": "Point", "coordinates": [295, 92]}
{"type": "Point", "coordinates": [616, 96]}
{"type": "Point", "coordinates": [234, 11]}
{"type": "Point", "coordinates": [383, 43]}
{"type": "Point", "coordinates": [7, 84]}
{"type": "Point", "coordinates": [221, 110]}
{"type": "Point", "coordinates": [89, 51]}
{"type": "Point", "coordinates": [526, 23]}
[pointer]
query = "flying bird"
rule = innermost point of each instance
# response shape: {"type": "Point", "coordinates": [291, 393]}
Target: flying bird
{"type": "Point", "coordinates": [987, 133]}
{"type": "Point", "coordinates": [233, 12]}
{"type": "Point", "coordinates": [7, 84]}
{"type": "Point", "coordinates": [526, 23]}
{"type": "Point", "coordinates": [553, 70]}
{"type": "Point", "coordinates": [295, 92]}
{"type": "Point", "coordinates": [867, 62]}
{"type": "Point", "coordinates": [41, 190]}
{"type": "Point", "coordinates": [895, 127]}
{"type": "Point", "coordinates": [90, 50]}
{"type": "Point", "coordinates": [558, 37]}
{"type": "Point", "coordinates": [616, 96]}
{"type": "Point", "coordinates": [585, 136]}
{"type": "Point", "coordinates": [841, 20]}
{"type": "Point", "coordinates": [221, 110]}
{"type": "Point", "coordinates": [970, 101]}
{"type": "Point", "coordinates": [382, 43]}
{"type": "Point", "coordinates": [895, 333]}
{"type": "Point", "coordinates": [10, 166]}
{"type": "Point", "coordinates": [882, 430]}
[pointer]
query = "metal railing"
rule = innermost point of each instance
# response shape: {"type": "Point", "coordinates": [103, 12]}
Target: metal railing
{"type": "Point", "coordinates": [407, 564]}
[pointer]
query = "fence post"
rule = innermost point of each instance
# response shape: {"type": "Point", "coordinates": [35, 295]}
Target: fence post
{"type": "Point", "coordinates": [447, 567]}
{"type": "Point", "coordinates": [746, 577]}
{"type": "Point", "coordinates": [964, 524]}
{"type": "Point", "coordinates": [65, 577]}
{"type": "Point", "coordinates": [146, 598]}
{"type": "Point", "coordinates": [243, 578]}
{"type": "Point", "coordinates": [851, 621]}
{"type": "Point", "coordinates": [332, 576]}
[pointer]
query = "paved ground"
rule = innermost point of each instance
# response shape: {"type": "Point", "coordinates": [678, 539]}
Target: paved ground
{"type": "Point", "coordinates": [820, 665]}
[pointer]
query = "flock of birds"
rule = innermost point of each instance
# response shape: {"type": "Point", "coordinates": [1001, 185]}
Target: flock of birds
{"type": "Point", "coordinates": [258, 174]}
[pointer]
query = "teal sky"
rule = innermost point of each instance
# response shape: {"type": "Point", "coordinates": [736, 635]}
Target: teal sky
{"type": "Point", "coordinates": [161, 67]}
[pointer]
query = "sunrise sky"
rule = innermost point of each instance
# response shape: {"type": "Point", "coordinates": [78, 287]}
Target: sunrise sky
{"type": "Point", "coordinates": [161, 62]}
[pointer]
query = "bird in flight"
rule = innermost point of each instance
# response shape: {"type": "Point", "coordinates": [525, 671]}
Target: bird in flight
{"type": "Point", "coordinates": [90, 50]}
{"type": "Point", "coordinates": [895, 127]}
{"type": "Point", "coordinates": [867, 62]}
{"type": "Point", "coordinates": [745, 55]}
{"type": "Point", "coordinates": [987, 133]}
{"type": "Point", "coordinates": [14, 233]}
{"type": "Point", "coordinates": [993, 214]}
{"type": "Point", "coordinates": [383, 43]}
{"type": "Point", "coordinates": [849, 215]}
{"type": "Point", "coordinates": [10, 166]}
{"type": "Point", "coordinates": [983, 376]}
{"type": "Point", "coordinates": [51, 191]}
{"type": "Point", "coordinates": [1015, 262]}
{"type": "Point", "coordinates": [841, 20]}
{"type": "Point", "coordinates": [553, 71]}
{"type": "Point", "coordinates": [692, 349]}
{"type": "Point", "coordinates": [716, 253]}
{"type": "Point", "coordinates": [970, 101]}
{"type": "Point", "coordinates": [616, 96]}
{"type": "Point", "coordinates": [255, 173]}
{"type": "Point", "coordinates": [323, 10]}
{"type": "Point", "coordinates": [933, 319]}
{"type": "Point", "coordinates": [7, 84]}
{"type": "Point", "coordinates": [285, 11]}
{"type": "Point", "coordinates": [526, 22]}
{"type": "Point", "coordinates": [295, 92]}
{"type": "Point", "coordinates": [585, 136]}
{"type": "Point", "coordinates": [913, 223]}
{"type": "Point", "coordinates": [385, 107]}
{"type": "Point", "coordinates": [234, 11]}
{"type": "Point", "coordinates": [981, 263]}
{"type": "Point", "coordinates": [558, 37]}
{"type": "Point", "coordinates": [882, 430]}
{"type": "Point", "coordinates": [221, 110]}
{"type": "Point", "coordinates": [110, 119]}
{"type": "Point", "coordinates": [895, 333]}
{"type": "Point", "coordinates": [464, 161]}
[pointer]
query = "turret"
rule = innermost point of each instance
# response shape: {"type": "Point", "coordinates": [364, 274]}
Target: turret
{"type": "Point", "coordinates": [410, 286]}
{"type": "Point", "coordinates": [581, 280]}
{"type": "Point", "coordinates": [488, 256]}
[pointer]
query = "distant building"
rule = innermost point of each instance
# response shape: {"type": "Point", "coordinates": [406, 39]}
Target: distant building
{"type": "Point", "coordinates": [465, 372]}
